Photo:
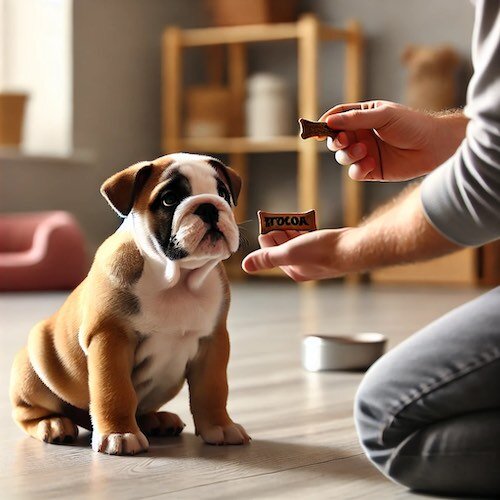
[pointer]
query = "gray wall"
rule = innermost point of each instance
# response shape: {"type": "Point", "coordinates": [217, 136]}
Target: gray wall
{"type": "Point", "coordinates": [117, 85]}
{"type": "Point", "coordinates": [388, 26]}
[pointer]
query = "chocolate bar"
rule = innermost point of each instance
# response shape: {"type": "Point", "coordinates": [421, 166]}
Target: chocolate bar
{"type": "Point", "coordinates": [300, 221]}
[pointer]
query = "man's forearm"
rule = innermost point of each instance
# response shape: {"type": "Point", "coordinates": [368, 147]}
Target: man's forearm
{"type": "Point", "coordinates": [398, 234]}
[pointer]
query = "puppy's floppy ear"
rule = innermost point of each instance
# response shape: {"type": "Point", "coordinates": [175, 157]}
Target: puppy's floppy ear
{"type": "Point", "coordinates": [232, 179]}
{"type": "Point", "coordinates": [121, 189]}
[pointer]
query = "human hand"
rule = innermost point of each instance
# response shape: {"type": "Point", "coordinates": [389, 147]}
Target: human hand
{"type": "Point", "coordinates": [385, 141]}
{"type": "Point", "coordinates": [398, 233]}
{"type": "Point", "coordinates": [304, 256]}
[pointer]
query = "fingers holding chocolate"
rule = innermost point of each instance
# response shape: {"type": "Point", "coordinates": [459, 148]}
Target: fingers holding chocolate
{"type": "Point", "coordinates": [351, 154]}
{"type": "Point", "coordinates": [278, 237]}
{"type": "Point", "coordinates": [363, 170]}
{"type": "Point", "coordinates": [342, 141]}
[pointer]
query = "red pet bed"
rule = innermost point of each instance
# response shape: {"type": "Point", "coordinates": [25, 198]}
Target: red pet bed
{"type": "Point", "coordinates": [41, 251]}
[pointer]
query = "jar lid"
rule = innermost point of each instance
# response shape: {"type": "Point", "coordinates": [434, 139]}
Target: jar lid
{"type": "Point", "coordinates": [266, 82]}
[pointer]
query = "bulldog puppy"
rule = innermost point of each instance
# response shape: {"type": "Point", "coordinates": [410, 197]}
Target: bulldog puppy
{"type": "Point", "coordinates": [150, 314]}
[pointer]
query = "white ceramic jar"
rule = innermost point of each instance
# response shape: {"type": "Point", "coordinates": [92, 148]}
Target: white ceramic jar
{"type": "Point", "coordinates": [268, 107]}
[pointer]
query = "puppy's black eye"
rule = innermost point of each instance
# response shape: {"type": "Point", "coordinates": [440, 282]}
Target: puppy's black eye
{"type": "Point", "coordinates": [223, 193]}
{"type": "Point", "coordinates": [169, 199]}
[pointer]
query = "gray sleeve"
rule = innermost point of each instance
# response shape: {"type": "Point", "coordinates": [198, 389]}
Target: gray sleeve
{"type": "Point", "coordinates": [461, 198]}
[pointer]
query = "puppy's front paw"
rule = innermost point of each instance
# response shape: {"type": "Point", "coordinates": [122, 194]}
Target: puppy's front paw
{"type": "Point", "coordinates": [223, 434]}
{"type": "Point", "coordinates": [128, 443]}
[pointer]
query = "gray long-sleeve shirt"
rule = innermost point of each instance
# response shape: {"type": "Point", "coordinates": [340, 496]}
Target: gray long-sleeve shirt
{"type": "Point", "coordinates": [461, 198]}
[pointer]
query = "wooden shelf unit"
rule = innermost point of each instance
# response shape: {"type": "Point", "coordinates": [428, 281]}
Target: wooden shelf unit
{"type": "Point", "coordinates": [309, 33]}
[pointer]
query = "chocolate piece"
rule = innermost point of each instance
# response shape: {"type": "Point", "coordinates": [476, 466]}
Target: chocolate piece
{"type": "Point", "coordinates": [300, 221]}
{"type": "Point", "coordinates": [316, 129]}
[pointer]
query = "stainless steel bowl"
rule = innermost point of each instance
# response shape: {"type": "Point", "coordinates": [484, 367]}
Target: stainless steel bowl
{"type": "Point", "coordinates": [349, 352]}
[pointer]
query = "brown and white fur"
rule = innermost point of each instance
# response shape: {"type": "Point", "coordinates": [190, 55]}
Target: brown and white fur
{"type": "Point", "coordinates": [150, 314]}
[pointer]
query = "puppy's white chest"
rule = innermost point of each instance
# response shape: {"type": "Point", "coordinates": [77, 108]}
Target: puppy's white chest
{"type": "Point", "coordinates": [170, 325]}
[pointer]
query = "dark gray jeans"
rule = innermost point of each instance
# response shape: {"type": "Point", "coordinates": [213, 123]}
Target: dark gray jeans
{"type": "Point", "coordinates": [428, 412]}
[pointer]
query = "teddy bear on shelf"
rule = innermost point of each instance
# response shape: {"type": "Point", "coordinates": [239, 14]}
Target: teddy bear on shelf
{"type": "Point", "coordinates": [433, 72]}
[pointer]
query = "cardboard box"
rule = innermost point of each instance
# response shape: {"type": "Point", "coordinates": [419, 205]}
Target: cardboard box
{"type": "Point", "coordinates": [208, 110]}
{"type": "Point", "coordinates": [238, 12]}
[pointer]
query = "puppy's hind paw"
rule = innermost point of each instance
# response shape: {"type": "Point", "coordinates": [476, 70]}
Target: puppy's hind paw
{"type": "Point", "coordinates": [162, 423]}
{"type": "Point", "coordinates": [223, 434]}
{"type": "Point", "coordinates": [128, 443]}
{"type": "Point", "coordinates": [57, 430]}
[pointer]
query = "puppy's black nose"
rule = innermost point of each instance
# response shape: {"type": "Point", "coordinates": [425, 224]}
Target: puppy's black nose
{"type": "Point", "coordinates": [208, 213]}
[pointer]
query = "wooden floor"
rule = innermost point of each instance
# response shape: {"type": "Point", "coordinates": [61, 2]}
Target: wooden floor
{"type": "Point", "coordinates": [304, 443]}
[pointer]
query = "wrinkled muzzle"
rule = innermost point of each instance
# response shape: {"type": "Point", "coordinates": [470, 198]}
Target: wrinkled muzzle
{"type": "Point", "coordinates": [203, 226]}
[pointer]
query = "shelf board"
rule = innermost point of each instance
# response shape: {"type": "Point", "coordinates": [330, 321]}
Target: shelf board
{"type": "Point", "coordinates": [254, 33]}
{"type": "Point", "coordinates": [240, 144]}
{"type": "Point", "coordinates": [239, 34]}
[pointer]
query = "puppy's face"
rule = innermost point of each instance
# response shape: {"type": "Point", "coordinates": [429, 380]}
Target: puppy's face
{"type": "Point", "coordinates": [180, 206]}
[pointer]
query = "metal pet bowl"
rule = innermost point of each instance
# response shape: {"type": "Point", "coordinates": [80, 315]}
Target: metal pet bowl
{"type": "Point", "coordinates": [346, 352]}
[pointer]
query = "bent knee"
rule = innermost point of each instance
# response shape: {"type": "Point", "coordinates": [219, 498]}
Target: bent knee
{"type": "Point", "coordinates": [381, 427]}
{"type": "Point", "coordinates": [375, 407]}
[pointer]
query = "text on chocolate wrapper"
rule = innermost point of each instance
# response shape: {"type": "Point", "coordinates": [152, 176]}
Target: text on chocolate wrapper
{"type": "Point", "coordinates": [286, 221]}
